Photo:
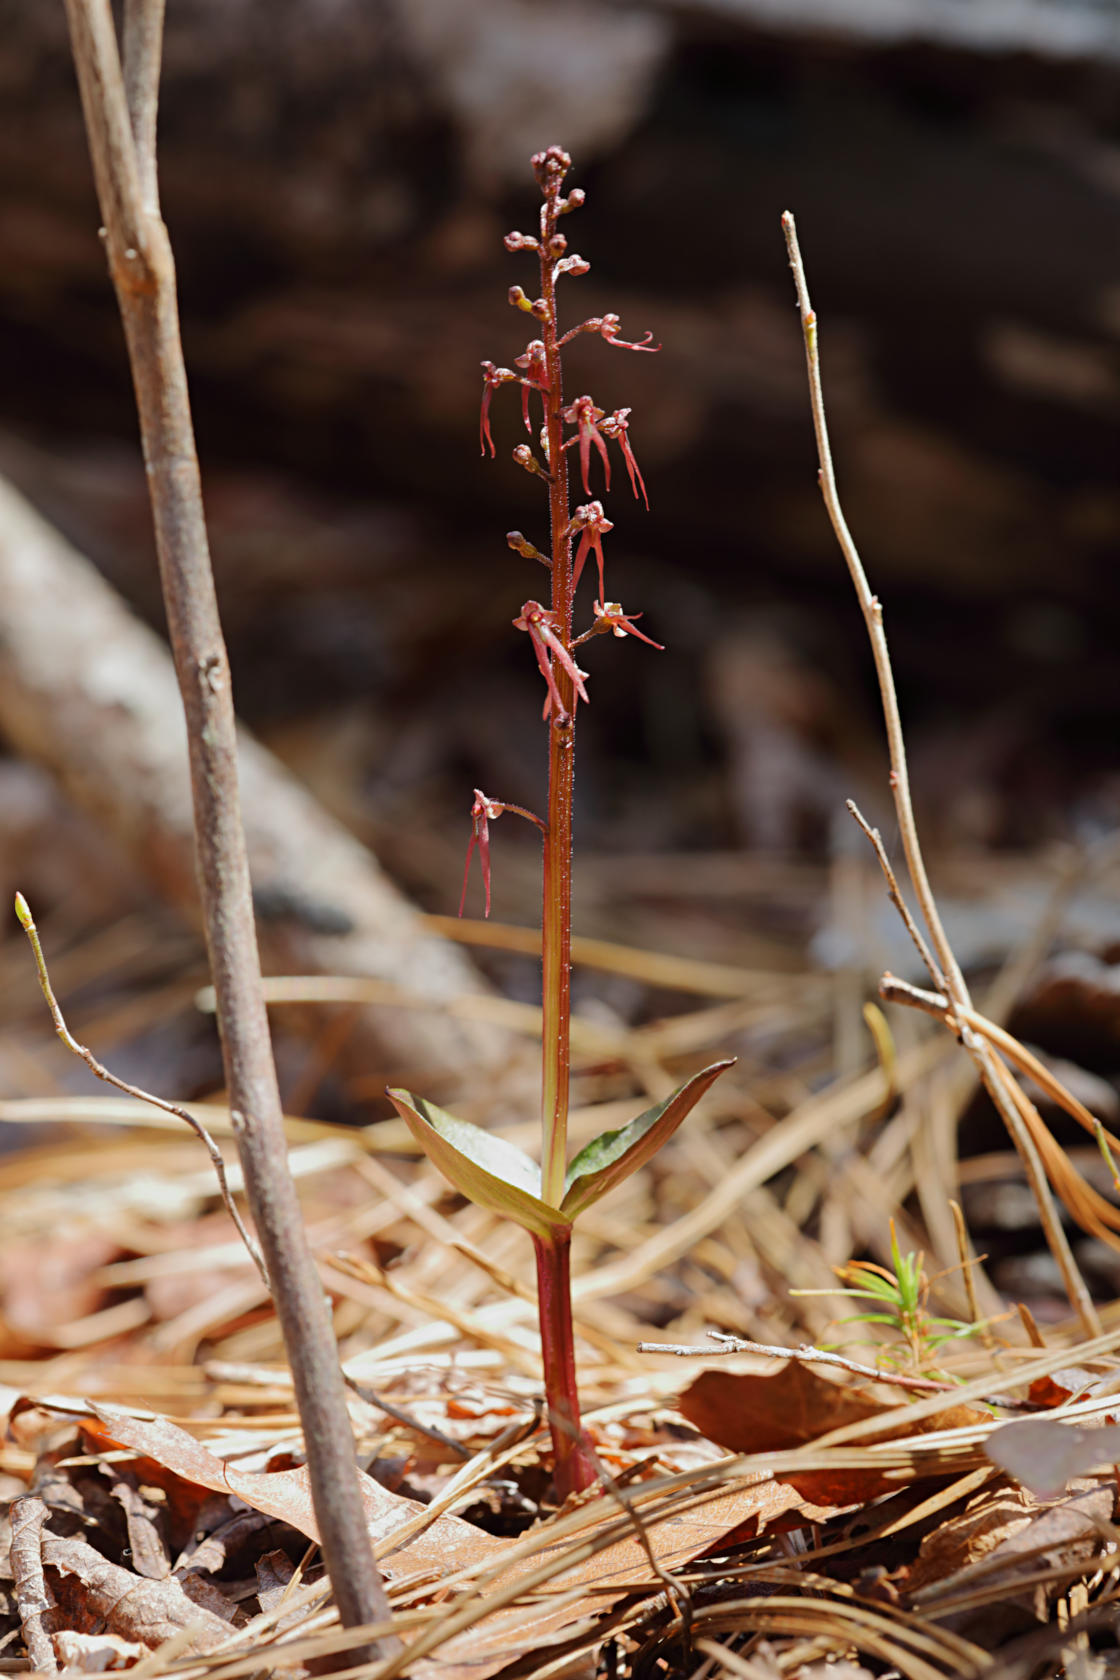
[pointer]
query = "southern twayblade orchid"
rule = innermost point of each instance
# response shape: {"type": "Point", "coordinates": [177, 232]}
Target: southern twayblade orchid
{"type": "Point", "coordinates": [546, 1198]}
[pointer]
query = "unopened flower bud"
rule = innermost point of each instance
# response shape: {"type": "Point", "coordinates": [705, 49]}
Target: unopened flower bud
{"type": "Point", "coordinates": [521, 545]}
{"type": "Point", "coordinates": [518, 299]}
{"type": "Point", "coordinates": [557, 245]}
{"type": "Point", "coordinates": [574, 201]}
{"type": "Point", "coordinates": [572, 265]}
{"type": "Point", "coordinates": [539, 309]}
{"type": "Point", "coordinates": [551, 164]}
{"type": "Point", "coordinates": [524, 457]}
{"type": "Point", "coordinates": [520, 242]}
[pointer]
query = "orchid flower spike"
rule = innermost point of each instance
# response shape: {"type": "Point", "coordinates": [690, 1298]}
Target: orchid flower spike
{"type": "Point", "coordinates": [543, 628]}
{"type": "Point", "coordinates": [483, 812]}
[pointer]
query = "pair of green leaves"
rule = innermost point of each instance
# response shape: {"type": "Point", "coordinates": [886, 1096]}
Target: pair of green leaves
{"type": "Point", "coordinates": [497, 1175]}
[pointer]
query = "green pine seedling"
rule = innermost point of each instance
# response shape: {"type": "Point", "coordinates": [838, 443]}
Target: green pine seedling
{"type": "Point", "coordinates": [901, 1298]}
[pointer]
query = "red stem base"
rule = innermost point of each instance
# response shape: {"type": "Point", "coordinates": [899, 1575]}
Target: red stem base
{"type": "Point", "coordinates": [574, 1455]}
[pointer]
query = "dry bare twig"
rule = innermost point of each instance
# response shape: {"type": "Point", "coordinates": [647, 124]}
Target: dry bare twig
{"type": "Point", "coordinates": [86, 1055]}
{"type": "Point", "coordinates": [120, 117]}
{"type": "Point", "coordinates": [960, 1002]}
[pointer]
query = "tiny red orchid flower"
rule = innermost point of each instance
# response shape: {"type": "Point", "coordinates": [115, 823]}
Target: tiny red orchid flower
{"type": "Point", "coordinates": [483, 812]}
{"type": "Point", "coordinates": [536, 375]}
{"type": "Point", "coordinates": [492, 377]}
{"type": "Point", "coordinates": [544, 631]}
{"type": "Point", "coordinates": [609, 616]}
{"type": "Point", "coordinates": [607, 328]}
{"type": "Point", "coordinates": [584, 414]}
{"type": "Point", "coordinates": [594, 525]}
{"type": "Point", "coordinates": [616, 426]}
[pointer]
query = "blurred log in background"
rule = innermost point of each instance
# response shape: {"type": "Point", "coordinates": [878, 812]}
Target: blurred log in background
{"type": "Point", "coordinates": [337, 178]}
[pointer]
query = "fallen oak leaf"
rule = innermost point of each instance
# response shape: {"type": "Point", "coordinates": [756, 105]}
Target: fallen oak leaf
{"type": "Point", "coordinates": [751, 1412]}
{"type": "Point", "coordinates": [448, 1542]}
{"type": "Point", "coordinates": [95, 1593]}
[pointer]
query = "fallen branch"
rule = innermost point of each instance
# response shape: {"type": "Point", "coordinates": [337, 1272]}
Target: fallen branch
{"type": "Point", "coordinates": [90, 694]}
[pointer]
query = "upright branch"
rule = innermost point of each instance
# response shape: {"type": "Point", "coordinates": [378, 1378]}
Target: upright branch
{"type": "Point", "coordinates": [120, 116]}
{"type": "Point", "coordinates": [989, 1068]}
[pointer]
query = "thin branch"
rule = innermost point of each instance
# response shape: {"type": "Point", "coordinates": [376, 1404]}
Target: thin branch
{"type": "Point", "coordinates": [141, 52]}
{"type": "Point", "coordinates": [1009, 1100]}
{"type": "Point", "coordinates": [895, 895]}
{"type": "Point", "coordinates": [143, 273]}
{"type": "Point", "coordinates": [873, 618]}
{"type": "Point", "coordinates": [959, 1002]}
{"type": "Point", "coordinates": [967, 1261]}
{"type": "Point", "coordinates": [804, 1354]}
{"type": "Point", "coordinates": [23, 912]}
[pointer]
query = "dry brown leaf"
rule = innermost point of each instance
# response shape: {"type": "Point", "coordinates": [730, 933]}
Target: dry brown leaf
{"type": "Point", "coordinates": [792, 1407]}
{"type": "Point", "coordinates": [967, 1536]}
{"type": "Point", "coordinates": [95, 1594]}
{"type": "Point", "coordinates": [1060, 1386]}
{"type": "Point", "coordinates": [749, 1412]}
{"type": "Point", "coordinates": [48, 1282]}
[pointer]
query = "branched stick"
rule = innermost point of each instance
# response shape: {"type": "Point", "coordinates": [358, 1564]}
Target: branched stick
{"type": "Point", "coordinates": [958, 995]}
{"type": "Point", "coordinates": [121, 126]}
{"type": "Point", "coordinates": [804, 1354]}
{"type": "Point", "coordinates": [23, 912]}
{"type": "Point", "coordinates": [894, 893]}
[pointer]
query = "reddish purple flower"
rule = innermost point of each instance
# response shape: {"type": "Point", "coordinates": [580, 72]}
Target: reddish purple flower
{"type": "Point", "coordinates": [616, 426]}
{"type": "Point", "coordinates": [544, 631]}
{"type": "Point", "coordinates": [610, 616]}
{"type": "Point", "coordinates": [583, 414]}
{"type": "Point", "coordinates": [607, 328]}
{"type": "Point", "coordinates": [593, 523]}
{"type": "Point", "coordinates": [492, 377]}
{"type": "Point", "coordinates": [483, 811]}
{"type": "Point", "coordinates": [536, 375]}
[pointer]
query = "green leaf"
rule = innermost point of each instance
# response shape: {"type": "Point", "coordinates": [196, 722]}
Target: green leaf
{"type": "Point", "coordinates": [493, 1172]}
{"type": "Point", "coordinates": [613, 1156]}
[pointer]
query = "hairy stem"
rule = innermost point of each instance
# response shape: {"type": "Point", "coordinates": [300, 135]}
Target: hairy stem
{"type": "Point", "coordinates": [557, 890]}
{"type": "Point", "coordinates": [575, 1467]}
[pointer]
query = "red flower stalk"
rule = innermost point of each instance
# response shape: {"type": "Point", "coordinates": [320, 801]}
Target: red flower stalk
{"type": "Point", "coordinates": [594, 525]}
{"type": "Point", "coordinates": [543, 628]}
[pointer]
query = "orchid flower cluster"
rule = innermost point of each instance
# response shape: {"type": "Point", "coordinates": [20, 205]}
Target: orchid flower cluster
{"type": "Point", "coordinates": [546, 1198]}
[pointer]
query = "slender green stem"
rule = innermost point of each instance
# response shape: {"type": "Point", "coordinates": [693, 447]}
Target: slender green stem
{"type": "Point", "coordinates": [575, 1463]}
{"type": "Point", "coordinates": [557, 887]}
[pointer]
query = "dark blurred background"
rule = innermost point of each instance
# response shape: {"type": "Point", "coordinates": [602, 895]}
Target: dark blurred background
{"type": "Point", "coordinates": [337, 176]}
